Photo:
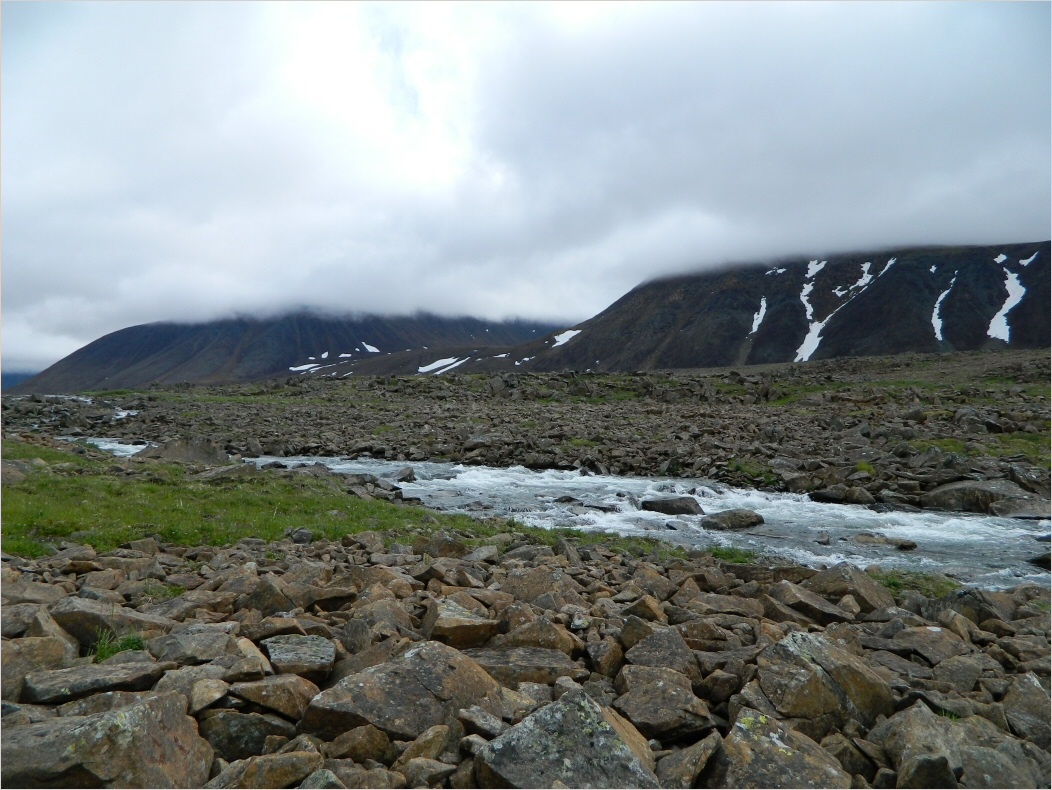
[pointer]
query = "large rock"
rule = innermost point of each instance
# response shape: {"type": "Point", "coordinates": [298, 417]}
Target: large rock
{"type": "Point", "coordinates": [62, 685]}
{"type": "Point", "coordinates": [86, 619]}
{"type": "Point", "coordinates": [977, 496]}
{"type": "Point", "coordinates": [1027, 709]}
{"type": "Point", "coordinates": [152, 743]}
{"type": "Point", "coordinates": [288, 695]}
{"type": "Point", "coordinates": [193, 647]}
{"type": "Point", "coordinates": [845, 579]}
{"type": "Point", "coordinates": [238, 736]}
{"type": "Point", "coordinates": [663, 706]}
{"type": "Point", "coordinates": [760, 752]}
{"type": "Point", "coordinates": [806, 677]}
{"type": "Point", "coordinates": [803, 600]}
{"type": "Point", "coordinates": [449, 622]}
{"type": "Point", "coordinates": [196, 450]}
{"type": "Point", "coordinates": [574, 742]}
{"type": "Point", "coordinates": [673, 506]}
{"type": "Point", "coordinates": [311, 657]}
{"type": "Point", "coordinates": [426, 686]}
{"type": "Point", "coordinates": [665, 648]}
{"type": "Point", "coordinates": [737, 518]}
{"type": "Point", "coordinates": [22, 656]}
{"type": "Point", "coordinates": [286, 769]}
{"type": "Point", "coordinates": [513, 665]}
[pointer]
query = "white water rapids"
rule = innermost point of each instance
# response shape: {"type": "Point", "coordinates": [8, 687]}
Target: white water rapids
{"type": "Point", "coordinates": [974, 549]}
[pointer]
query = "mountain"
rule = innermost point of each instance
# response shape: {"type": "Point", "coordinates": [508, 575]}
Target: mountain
{"type": "Point", "coordinates": [249, 349]}
{"type": "Point", "coordinates": [917, 299]}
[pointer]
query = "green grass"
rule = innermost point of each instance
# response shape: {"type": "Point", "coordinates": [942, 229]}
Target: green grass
{"type": "Point", "coordinates": [108, 644]}
{"type": "Point", "coordinates": [930, 585]}
{"type": "Point", "coordinates": [105, 511]}
{"type": "Point", "coordinates": [731, 554]}
{"type": "Point", "coordinates": [865, 466]}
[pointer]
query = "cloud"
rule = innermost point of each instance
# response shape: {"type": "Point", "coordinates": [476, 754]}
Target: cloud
{"type": "Point", "coordinates": [185, 161]}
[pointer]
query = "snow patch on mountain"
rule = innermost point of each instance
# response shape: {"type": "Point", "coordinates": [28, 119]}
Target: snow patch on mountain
{"type": "Point", "coordinates": [1027, 261]}
{"type": "Point", "coordinates": [757, 318]}
{"type": "Point", "coordinates": [440, 363]}
{"type": "Point", "coordinates": [772, 271]}
{"type": "Point", "coordinates": [999, 323]}
{"type": "Point", "coordinates": [936, 317]}
{"type": "Point", "coordinates": [370, 349]}
{"type": "Point", "coordinates": [303, 368]}
{"type": "Point", "coordinates": [1001, 258]}
{"type": "Point", "coordinates": [565, 337]}
{"type": "Point", "coordinates": [814, 331]}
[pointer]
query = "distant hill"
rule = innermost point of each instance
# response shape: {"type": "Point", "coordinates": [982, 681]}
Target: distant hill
{"type": "Point", "coordinates": [8, 380]}
{"type": "Point", "coordinates": [247, 349]}
{"type": "Point", "coordinates": [918, 299]}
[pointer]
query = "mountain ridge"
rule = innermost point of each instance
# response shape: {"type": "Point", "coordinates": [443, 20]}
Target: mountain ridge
{"type": "Point", "coordinates": [908, 299]}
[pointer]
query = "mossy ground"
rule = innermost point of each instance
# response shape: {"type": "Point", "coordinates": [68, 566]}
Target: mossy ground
{"type": "Point", "coordinates": [80, 499]}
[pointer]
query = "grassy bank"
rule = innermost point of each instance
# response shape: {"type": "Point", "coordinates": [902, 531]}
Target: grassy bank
{"type": "Point", "coordinates": [68, 496]}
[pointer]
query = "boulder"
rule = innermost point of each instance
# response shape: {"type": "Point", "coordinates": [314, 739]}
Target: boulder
{"type": "Point", "coordinates": [196, 450]}
{"type": "Point", "coordinates": [761, 752]}
{"type": "Point", "coordinates": [572, 742]}
{"type": "Point", "coordinates": [665, 648]}
{"type": "Point", "coordinates": [425, 686]}
{"type": "Point", "coordinates": [193, 647]}
{"type": "Point", "coordinates": [673, 506]}
{"type": "Point", "coordinates": [288, 695]}
{"type": "Point", "coordinates": [682, 768]}
{"type": "Point", "coordinates": [978, 496]}
{"type": "Point", "coordinates": [845, 579]}
{"type": "Point", "coordinates": [311, 657]}
{"type": "Point", "coordinates": [803, 600]}
{"type": "Point", "coordinates": [285, 769]}
{"type": "Point", "coordinates": [842, 494]}
{"type": "Point", "coordinates": [152, 743]}
{"type": "Point", "coordinates": [62, 685]}
{"type": "Point", "coordinates": [737, 518]}
{"type": "Point", "coordinates": [665, 707]}
{"type": "Point", "coordinates": [513, 665]}
{"type": "Point", "coordinates": [238, 736]}
{"type": "Point", "coordinates": [1027, 708]}
{"type": "Point", "coordinates": [19, 657]}
{"type": "Point", "coordinates": [805, 676]}
{"type": "Point", "coordinates": [541, 633]}
{"type": "Point", "coordinates": [448, 622]}
{"type": "Point", "coordinates": [85, 619]}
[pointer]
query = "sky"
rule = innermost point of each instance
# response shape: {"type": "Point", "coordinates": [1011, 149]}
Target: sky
{"type": "Point", "coordinates": [174, 161]}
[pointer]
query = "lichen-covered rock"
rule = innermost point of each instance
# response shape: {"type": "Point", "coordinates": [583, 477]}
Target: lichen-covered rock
{"type": "Point", "coordinates": [311, 657]}
{"type": "Point", "coordinates": [665, 648]}
{"type": "Point", "coordinates": [425, 686]}
{"type": "Point", "coordinates": [513, 665]}
{"type": "Point", "coordinates": [19, 657]}
{"type": "Point", "coordinates": [845, 579]}
{"type": "Point", "coordinates": [286, 769]}
{"type": "Point", "coordinates": [62, 685]}
{"type": "Point", "coordinates": [152, 743]}
{"type": "Point", "coordinates": [288, 695]}
{"type": "Point", "coordinates": [85, 620]}
{"type": "Point", "coordinates": [449, 622]}
{"type": "Point", "coordinates": [238, 736]}
{"type": "Point", "coordinates": [761, 752]}
{"type": "Point", "coordinates": [570, 742]}
{"type": "Point", "coordinates": [805, 676]}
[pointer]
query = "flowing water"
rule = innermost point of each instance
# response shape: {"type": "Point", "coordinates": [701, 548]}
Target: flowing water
{"type": "Point", "coordinates": [972, 548]}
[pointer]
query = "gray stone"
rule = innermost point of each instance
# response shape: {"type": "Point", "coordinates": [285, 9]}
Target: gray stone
{"type": "Point", "coordinates": [193, 648]}
{"type": "Point", "coordinates": [152, 743]}
{"type": "Point", "coordinates": [85, 620]}
{"type": "Point", "coordinates": [514, 665]}
{"type": "Point", "coordinates": [735, 519]}
{"type": "Point", "coordinates": [673, 506]}
{"type": "Point", "coordinates": [62, 685]}
{"type": "Point", "coordinates": [682, 768]}
{"type": "Point", "coordinates": [761, 752]}
{"type": "Point", "coordinates": [311, 657]}
{"type": "Point", "coordinates": [845, 579]}
{"type": "Point", "coordinates": [449, 622]}
{"type": "Point", "coordinates": [426, 686]}
{"type": "Point", "coordinates": [571, 742]}
{"type": "Point", "coordinates": [237, 736]}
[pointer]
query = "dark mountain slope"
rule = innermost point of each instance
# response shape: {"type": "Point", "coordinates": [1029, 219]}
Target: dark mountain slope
{"type": "Point", "coordinates": [845, 305]}
{"type": "Point", "coordinates": [246, 349]}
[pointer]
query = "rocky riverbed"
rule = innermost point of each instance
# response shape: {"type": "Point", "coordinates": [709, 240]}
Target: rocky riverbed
{"type": "Point", "coordinates": [366, 662]}
{"type": "Point", "coordinates": [893, 431]}
{"type": "Point", "coordinates": [441, 660]}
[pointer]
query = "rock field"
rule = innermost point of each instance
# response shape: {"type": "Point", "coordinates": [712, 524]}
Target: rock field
{"type": "Point", "coordinates": [447, 662]}
{"type": "Point", "coordinates": [365, 663]}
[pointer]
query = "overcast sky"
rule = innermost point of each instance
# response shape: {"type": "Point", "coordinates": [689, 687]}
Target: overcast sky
{"type": "Point", "coordinates": [188, 161]}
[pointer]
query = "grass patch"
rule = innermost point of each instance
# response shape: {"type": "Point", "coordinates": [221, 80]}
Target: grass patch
{"type": "Point", "coordinates": [108, 644]}
{"type": "Point", "coordinates": [733, 555]}
{"type": "Point", "coordinates": [930, 585]}
{"type": "Point", "coordinates": [23, 451]}
{"type": "Point", "coordinates": [865, 466]}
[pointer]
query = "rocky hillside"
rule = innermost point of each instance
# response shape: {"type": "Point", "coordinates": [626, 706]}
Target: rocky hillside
{"type": "Point", "coordinates": [365, 662]}
{"type": "Point", "coordinates": [932, 299]}
{"type": "Point", "coordinates": [246, 349]}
